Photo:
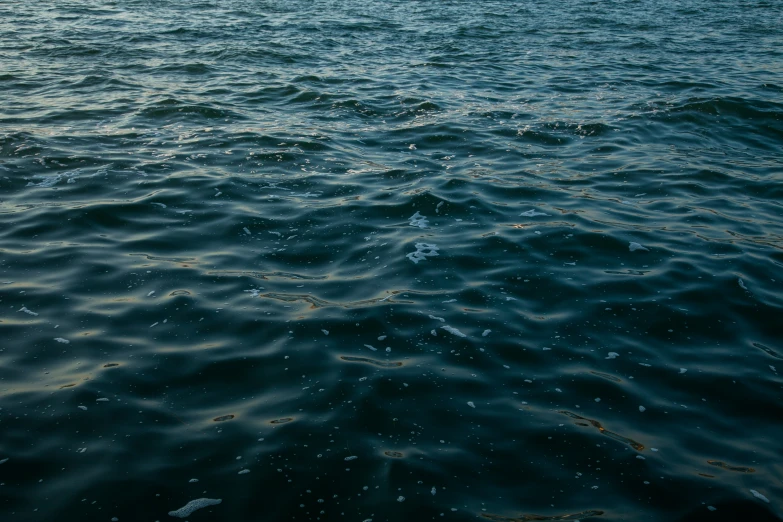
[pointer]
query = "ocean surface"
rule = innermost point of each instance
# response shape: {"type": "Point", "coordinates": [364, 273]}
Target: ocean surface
{"type": "Point", "coordinates": [342, 260]}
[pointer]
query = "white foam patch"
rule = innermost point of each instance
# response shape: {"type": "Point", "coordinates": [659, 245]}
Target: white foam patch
{"type": "Point", "coordinates": [61, 340]}
{"type": "Point", "coordinates": [453, 330]}
{"type": "Point", "coordinates": [47, 181]}
{"type": "Point", "coordinates": [417, 220]}
{"type": "Point", "coordinates": [254, 292]}
{"type": "Point", "coordinates": [27, 311]}
{"type": "Point", "coordinates": [193, 505]}
{"type": "Point", "coordinates": [633, 247]}
{"type": "Point", "coordinates": [533, 213]}
{"type": "Point", "coordinates": [423, 251]}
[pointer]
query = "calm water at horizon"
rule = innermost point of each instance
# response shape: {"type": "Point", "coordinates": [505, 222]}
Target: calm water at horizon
{"type": "Point", "coordinates": [341, 260]}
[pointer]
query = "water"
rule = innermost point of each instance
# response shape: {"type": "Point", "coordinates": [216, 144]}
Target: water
{"type": "Point", "coordinates": [343, 260]}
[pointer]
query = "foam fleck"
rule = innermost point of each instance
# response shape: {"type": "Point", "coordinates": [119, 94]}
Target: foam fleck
{"type": "Point", "coordinates": [486, 333]}
{"type": "Point", "coordinates": [193, 505]}
{"type": "Point", "coordinates": [247, 231]}
{"type": "Point", "coordinates": [633, 247]}
{"type": "Point", "coordinates": [27, 311]}
{"type": "Point", "coordinates": [442, 320]}
{"type": "Point", "coordinates": [352, 457]}
{"type": "Point", "coordinates": [243, 472]}
{"type": "Point", "coordinates": [374, 349]}
{"type": "Point", "coordinates": [612, 355]}
{"type": "Point", "coordinates": [742, 284]}
{"type": "Point", "coordinates": [471, 404]}
{"type": "Point", "coordinates": [453, 330]}
{"type": "Point", "coordinates": [759, 496]}
{"type": "Point", "coordinates": [533, 213]}
{"type": "Point", "coordinates": [61, 340]}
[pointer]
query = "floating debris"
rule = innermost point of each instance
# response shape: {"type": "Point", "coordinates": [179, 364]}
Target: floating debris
{"type": "Point", "coordinates": [527, 518]}
{"type": "Point", "coordinates": [284, 420]}
{"type": "Point", "coordinates": [606, 376]}
{"type": "Point", "coordinates": [394, 454]}
{"type": "Point", "coordinates": [381, 364]}
{"type": "Point", "coordinates": [223, 418]}
{"type": "Point", "coordinates": [635, 445]}
{"type": "Point", "coordinates": [729, 467]}
{"type": "Point", "coordinates": [193, 505]}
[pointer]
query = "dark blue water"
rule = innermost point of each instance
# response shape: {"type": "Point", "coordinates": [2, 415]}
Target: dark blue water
{"type": "Point", "coordinates": [401, 260]}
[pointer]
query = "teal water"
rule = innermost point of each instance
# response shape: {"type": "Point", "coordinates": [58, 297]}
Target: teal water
{"type": "Point", "coordinates": [401, 260]}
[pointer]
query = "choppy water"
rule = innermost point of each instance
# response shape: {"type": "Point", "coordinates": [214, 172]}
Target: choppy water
{"type": "Point", "coordinates": [399, 260]}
